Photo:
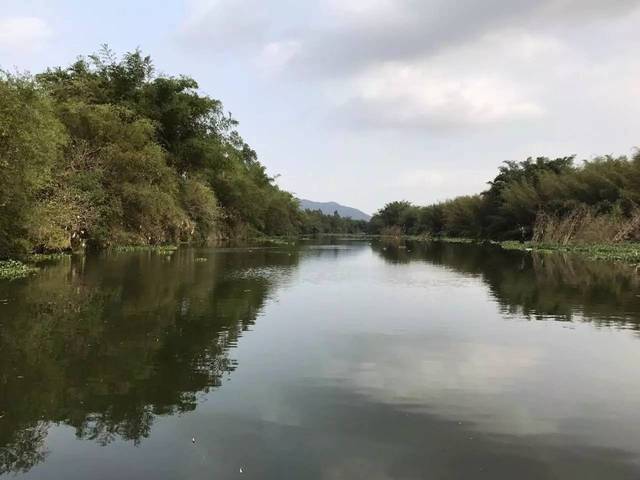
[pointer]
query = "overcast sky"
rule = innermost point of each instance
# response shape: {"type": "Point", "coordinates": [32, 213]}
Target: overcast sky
{"type": "Point", "coordinates": [368, 101]}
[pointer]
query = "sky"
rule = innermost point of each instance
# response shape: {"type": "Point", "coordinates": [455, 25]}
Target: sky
{"type": "Point", "coordinates": [369, 101]}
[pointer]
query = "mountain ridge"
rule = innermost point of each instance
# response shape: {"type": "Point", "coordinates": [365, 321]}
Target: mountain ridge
{"type": "Point", "coordinates": [329, 207]}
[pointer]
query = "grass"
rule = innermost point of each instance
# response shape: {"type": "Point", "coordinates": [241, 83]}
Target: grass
{"type": "Point", "coordinates": [13, 269]}
{"type": "Point", "coordinates": [455, 240]}
{"type": "Point", "coordinates": [621, 252]}
{"type": "Point", "coordinates": [45, 257]}
{"type": "Point", "coordinates": [628, 252]}
{"type": "Point", "coordinates": [426, 238]}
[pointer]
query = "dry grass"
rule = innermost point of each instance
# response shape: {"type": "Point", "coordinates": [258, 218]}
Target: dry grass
{"type": "Point", "coordinates": [392, 231]}
{"type": "Point", "coordinates": [582, 226]}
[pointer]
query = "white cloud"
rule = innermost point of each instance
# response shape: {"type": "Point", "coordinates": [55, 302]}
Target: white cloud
{"type": "Point", "coordinates": [507, 76]}
{"type": "Point", "coordinates": [276, 55]}
{"type": "Point", "coordinates": [23, 33]}
{"type": "Point", "coordinates": [366, 12]}
{"type": "Point", "coordinates": [525, 46]}
{"type": "Point", "coordinates": [418, 93]}
{"type": "Point", "coordinates": [224, 24]}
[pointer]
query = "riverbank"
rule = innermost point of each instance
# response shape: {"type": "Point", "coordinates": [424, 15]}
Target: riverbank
{"type": "Point", "coordinates": [619, 252]}
{"type": "Point", "coordinates": [623, 252]}
{"type": "Point", "coordinates": [626, 252]}
{"type": "Point", "coordinates": [25, 265]}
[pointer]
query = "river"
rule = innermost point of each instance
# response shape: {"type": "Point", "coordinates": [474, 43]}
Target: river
{"type": "Point", "coordinates": [321, 360]}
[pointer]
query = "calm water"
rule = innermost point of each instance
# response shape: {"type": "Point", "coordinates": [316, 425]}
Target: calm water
{"type": "Point", "coordinates": [335, 361]}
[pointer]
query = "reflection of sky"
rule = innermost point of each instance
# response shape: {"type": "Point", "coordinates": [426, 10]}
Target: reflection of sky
{"type": "Point", "coordinates": [425, 339]}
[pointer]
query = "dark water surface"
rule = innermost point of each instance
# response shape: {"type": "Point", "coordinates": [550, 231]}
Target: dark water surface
{"type": "Point", "coordinates": [335, 361]}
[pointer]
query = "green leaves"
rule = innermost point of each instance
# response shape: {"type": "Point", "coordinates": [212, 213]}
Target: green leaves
{"type": "Point", "coordinates": [107, 151]}
{"type": "Point", "coordinates": [31, 139]}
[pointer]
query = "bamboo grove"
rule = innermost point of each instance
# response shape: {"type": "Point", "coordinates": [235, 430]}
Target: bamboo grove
{"type": "Point", "coordinates": [546, 200]}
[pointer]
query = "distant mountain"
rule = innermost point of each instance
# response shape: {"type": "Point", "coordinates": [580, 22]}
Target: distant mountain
{"type": "Point", "coordinates": [329, 207]}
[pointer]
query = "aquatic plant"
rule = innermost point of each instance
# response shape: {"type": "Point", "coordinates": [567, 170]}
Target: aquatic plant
{"type": "Point", "coordinates": [12, 269]}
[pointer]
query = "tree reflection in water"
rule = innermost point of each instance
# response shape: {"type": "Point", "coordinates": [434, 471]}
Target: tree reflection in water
{"type": "Point", "coordinates": [535, 285]}
{"type": "Point", "coordinates": [105, 344]}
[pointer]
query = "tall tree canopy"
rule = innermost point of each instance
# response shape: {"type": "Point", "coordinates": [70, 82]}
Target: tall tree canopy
{"type": "Point", "coordinates": [106, 151]}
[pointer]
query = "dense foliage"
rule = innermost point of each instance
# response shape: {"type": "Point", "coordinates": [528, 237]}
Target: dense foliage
{"type": "Point", "coordinates": [317, 223]}
{"type": "Point", "coordinates": [106, 152]}
{"type": "Point", "coordinates": [548, 199]}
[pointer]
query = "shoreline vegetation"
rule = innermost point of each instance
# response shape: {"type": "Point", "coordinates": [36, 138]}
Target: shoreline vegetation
{"type": "Point", "coordinates": [545, 201]}
{"type": "Point", "coordinates": [541, 205]}
{"type": "Point", "coordinates": [622, 252]}
{"type": "Point", "coordinates": [13, 269]}
{"type": "Point", "coordinates": [627, 253]}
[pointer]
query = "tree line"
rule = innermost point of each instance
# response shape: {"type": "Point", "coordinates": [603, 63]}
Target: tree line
{"type": "Point", "coordinates": [542, 199]}
{"type": "Point", "coordinates": [107, 152]}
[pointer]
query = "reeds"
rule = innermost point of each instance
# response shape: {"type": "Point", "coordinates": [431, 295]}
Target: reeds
{"type": "Point", "coordinates": [584, 226]}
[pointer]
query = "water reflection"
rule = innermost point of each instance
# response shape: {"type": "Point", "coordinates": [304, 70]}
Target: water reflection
{"type": "Point", "coordinates": [107, 344]}
{"type": "Point", "coordinates": [373, 362]}
{"type": "Point", "coordinates": [536, 285]}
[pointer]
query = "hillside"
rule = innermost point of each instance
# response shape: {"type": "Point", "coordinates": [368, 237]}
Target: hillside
{"type": "Point", "coordinates": [329, 207]}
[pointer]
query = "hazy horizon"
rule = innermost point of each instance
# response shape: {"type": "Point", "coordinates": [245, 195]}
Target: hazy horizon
{"type": "Point", "coordinates": [366, 102]}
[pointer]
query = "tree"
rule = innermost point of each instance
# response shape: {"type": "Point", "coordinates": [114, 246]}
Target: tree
{"type": "Point", "coordinates": [31, 139]}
